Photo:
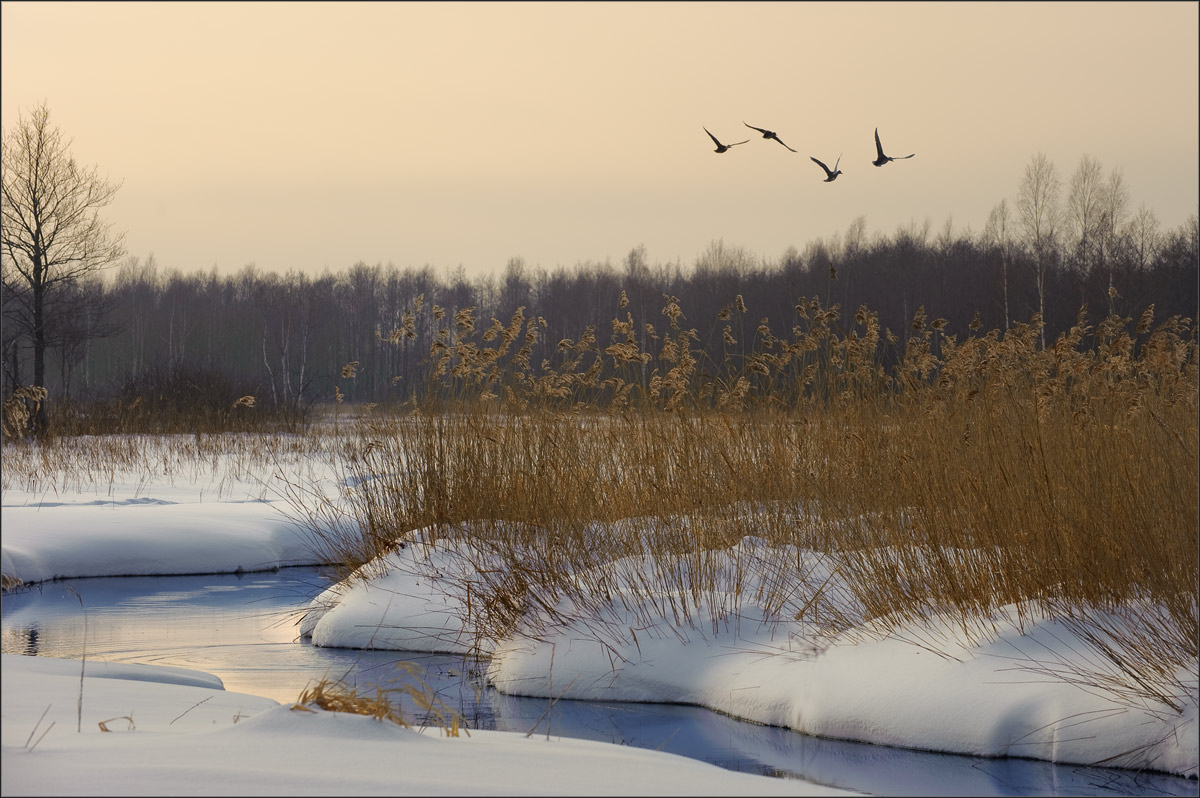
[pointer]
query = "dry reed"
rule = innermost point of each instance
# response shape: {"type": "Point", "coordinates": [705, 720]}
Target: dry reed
{"type": "Point", "coordinates": [335, 696]}
{"type": "Point", "coordinates": [971, 476]}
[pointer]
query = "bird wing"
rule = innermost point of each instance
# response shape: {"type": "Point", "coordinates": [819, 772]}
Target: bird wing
{"type": "Point", "coordinates": [823, 166]}
{"type": "Point", "coordinates": [759, 129]}
{"type": "Point", "coordinates": [734, 144]}
{"type": "Point", "coordinates": [714, 138]}
{"type": "Point", "coordinates": [781, 142]}
{"type": "Point", "coordinates": [878, 146]}
{"type": "Point", "coordinates": [902, 157]}
{"type": "Point", "coordinates": [839, 160]}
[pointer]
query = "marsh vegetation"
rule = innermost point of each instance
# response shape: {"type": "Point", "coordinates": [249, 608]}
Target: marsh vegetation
{"type": "Point", "coordinates": [977, 474]}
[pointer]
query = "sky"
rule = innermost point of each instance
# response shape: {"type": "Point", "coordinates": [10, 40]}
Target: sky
{"type": "Point", "coordinates": [315, 135]}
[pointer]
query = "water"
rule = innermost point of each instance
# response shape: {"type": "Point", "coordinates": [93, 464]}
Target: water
{"type": "Point", "coordinates": [241, 628]}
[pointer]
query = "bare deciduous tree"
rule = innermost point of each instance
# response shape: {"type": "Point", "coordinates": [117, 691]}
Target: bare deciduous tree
{"type": "Point", "coordinates": [79, 316]}
{"type": "Point", "coordinates": [1114, 207]}
{"type": "Point", "coordinates": [998, 233]}
{"type": "Point", "coordinates": [1142, 235]}
{"type": "Point", "coordinates": [52, 233]}
{"type": "Point", "coordinates": [1084, 209]}
{"type": "Point", "coordinates": [1040, 212]}
{"type": "Point", "coordinates": [856, 238]}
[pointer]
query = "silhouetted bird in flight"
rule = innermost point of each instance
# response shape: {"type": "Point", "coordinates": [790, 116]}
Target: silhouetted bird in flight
{"type": "Point", "coordinates": [767, 134]}
{"type": "Point", "coordinates": [723, 147]}
{"type": "Point", "coordinates": [882, 159]}
{"type": "Point", "coordinates": [831, 175]}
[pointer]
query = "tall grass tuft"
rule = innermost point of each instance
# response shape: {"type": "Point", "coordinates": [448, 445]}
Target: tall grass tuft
{"type": "Point", "coordinates": [336, 696]}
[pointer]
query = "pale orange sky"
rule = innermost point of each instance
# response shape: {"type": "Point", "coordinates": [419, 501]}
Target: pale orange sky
{"type": "Point", "coordinates": [313, 135]}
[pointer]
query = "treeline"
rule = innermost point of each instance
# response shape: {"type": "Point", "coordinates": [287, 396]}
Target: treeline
{"type": "Point", "coordinates": [288, 339]}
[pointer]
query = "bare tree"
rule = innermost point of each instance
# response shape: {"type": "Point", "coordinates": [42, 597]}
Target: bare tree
{"type": "Point", "coordinates": [998, 233]}
{"type": "Point", "coordinates": [52, 234]}
{"type": "Point", "coordinates": [944, 243]}
{"type": "Point", "coordinates": [1114, 207]}
{"type": "Point", "coordinates": [1084, 209]}
{"type": "Point", "coordinates": [1142, 234]}
{"type": "Point", "coordinates": [80, 315]}
{"type": "Point", "coordinates": [1040, 212]}
{"type": "Point", "coordinates": [16, 318]}
{"type": "Point", "coordinates": [288, 309]}
{"type": "Point", "coordinates": [515, 288]}
{"type": "Point", "coordinates": [140, 285]}
{"type": "Point", "coordinates": [856, 238]}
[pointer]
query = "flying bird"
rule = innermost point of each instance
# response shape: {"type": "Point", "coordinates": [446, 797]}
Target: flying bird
{"type": "Point", "coordinates": [767, 134]}
{"type": "Point", "coordinates": [831, 175]}
{"type": "Point", "coordinates": [722, 147]}
{"type": "Point", "coordinates": [882, 159]}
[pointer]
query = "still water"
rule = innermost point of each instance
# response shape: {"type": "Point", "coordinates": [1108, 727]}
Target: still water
{"type": "Point", "coordinates": [241, 627]}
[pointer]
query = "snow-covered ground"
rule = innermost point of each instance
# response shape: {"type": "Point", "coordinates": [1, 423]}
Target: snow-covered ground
{"type": "Point", "coordinates": [926, 687]}
{"type": "Point", "coordinates": [177, 732]}
{"type": "Point", "coordinates": [188, 736]}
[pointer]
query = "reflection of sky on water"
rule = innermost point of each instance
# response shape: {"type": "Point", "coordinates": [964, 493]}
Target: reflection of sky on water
{"type": "Point", "coordinates": [240, 627]}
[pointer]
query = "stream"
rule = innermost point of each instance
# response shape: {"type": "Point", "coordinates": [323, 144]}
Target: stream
{"type": "Point", "coordinates": [242, 628]}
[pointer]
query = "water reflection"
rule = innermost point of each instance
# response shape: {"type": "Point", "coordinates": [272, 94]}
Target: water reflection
{"type": "Point", "coordinates": [240, 627]}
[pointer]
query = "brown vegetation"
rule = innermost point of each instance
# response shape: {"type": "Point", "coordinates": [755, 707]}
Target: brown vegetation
{"type": "Point", "coordinates": [334, 696]}
{"type": "Point", "coordinates": [977, 474]}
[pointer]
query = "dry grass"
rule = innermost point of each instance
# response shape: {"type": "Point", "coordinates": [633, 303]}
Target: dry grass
{"type": "Point", "coordinates": [18, 410]}
{"type": "Point", "coordinates": [223, 463]}
{"type": "Point", "coordinates": [335, 696]}
{"type": "Point", "coordinates": [971, 476]}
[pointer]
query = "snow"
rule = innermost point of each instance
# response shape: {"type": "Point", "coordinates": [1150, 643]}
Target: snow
{"type": "Point", "coordinates": [191, 737]}
{"type": "Point", "coordinates": [926, 686]}
{"type": "Point", "coordinates": [127, 539]}
{"type": "Point", "coordinates": [188, 736]}
{"type": "Point", "coordinates": [403, 609]}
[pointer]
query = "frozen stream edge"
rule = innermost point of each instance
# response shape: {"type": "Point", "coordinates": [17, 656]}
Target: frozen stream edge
{"type": "Point", "coordinates": [980, 700]}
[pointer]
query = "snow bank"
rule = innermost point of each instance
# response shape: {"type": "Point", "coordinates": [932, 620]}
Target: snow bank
{"type": "Point", "coordinates": [146, 538]}
{"type": "Point", "coordinates": [409, 607]}
{"type": "Point", "coordinates": [926, 686]}
{"type": "Point", "coordinates": [189, 737]}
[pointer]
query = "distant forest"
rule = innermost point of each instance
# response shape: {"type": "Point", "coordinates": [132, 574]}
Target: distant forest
{"type": "Point", "coordinates": [286, 339]}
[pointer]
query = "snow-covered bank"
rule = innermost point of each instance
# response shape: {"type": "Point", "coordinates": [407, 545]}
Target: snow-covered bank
{"type": "Point", "coordinates": [192, 514]}
{"type": "Point", "coordinates": [144, 538]}
{"type": "Point", "coordinates": [189, 736]}
{"type": "Point", "coordinates": [1023, 692]}
{"type": "Point", "coordinates": [966, 699]}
